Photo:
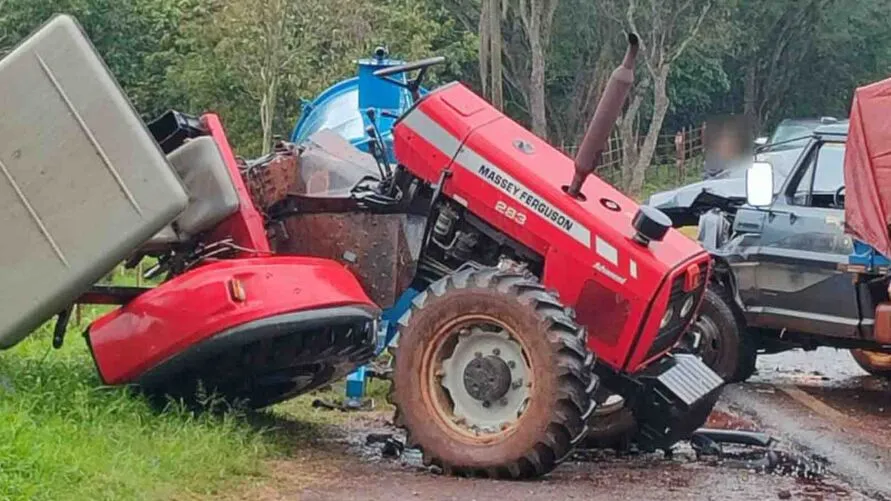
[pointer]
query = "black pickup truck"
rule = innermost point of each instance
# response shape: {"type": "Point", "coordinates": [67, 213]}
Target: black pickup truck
{"type": "Point", "coordinates": [783, 267]}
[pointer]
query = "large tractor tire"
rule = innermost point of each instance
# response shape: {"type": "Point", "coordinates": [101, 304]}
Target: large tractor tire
{"type": "Point", "coordinates": [491, 377]}
{"type": "Point", "coordinates": [874, 362]}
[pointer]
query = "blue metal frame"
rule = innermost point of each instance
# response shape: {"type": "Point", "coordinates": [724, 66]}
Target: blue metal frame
{"type": "Point", "coordinates": [342, 108]}
{"type": "Point", "coordinates": [865, 255]}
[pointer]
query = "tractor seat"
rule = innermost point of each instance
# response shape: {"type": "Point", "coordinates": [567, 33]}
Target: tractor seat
{"type": "Point", "coordinates": [212, 196]}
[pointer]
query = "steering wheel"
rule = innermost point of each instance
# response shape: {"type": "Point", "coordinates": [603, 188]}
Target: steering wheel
{"type": "Point", "coordinates": [837, 197]}
{"type": "Point", "coordinates": [413, 85]}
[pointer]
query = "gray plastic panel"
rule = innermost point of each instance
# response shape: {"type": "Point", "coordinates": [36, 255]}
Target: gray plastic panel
{"type": "Point", "coordinates": [82, 182]}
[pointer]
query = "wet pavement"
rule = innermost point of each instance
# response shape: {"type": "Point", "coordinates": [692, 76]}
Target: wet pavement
{"type": "Point", "coordinates": [823, 403]}
{"type": "Point", "coordinates": [821, 408]}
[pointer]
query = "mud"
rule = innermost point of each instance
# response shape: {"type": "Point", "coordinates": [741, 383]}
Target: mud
{"type": "Point", "coordinates": [828, 418]}
{"type": "Point", "coordinates": [849, 452]}
{"type": "Point", "coordinates": [724, 420]}
{"type": "Point", "coordinates": [343, 464]}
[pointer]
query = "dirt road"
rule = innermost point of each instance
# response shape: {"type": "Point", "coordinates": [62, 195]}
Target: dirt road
{"type": "Point", "coordinates": [817, 406]}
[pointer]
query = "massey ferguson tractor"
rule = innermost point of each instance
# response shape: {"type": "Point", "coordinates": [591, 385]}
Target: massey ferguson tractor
{"type": "Point", "coordinates": [541, 294]}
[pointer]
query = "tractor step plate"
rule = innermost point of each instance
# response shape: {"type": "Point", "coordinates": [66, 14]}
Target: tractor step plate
{"type": "Point", "coordinates": [688, 378]}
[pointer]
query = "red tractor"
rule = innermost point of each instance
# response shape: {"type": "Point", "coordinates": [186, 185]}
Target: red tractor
{"type": "Point", "coordinates": [84, 185]}
{"type": "Point", "coordinates": [540, 296]}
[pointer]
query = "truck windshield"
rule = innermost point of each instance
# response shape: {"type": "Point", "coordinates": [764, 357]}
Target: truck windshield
{"type": "Point", "coordinates": [796, 134]}
{"type": "Point", "coordinates": [818, 190]}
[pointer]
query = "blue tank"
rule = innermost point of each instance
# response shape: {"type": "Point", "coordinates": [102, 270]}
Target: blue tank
{"type": "Point", "coordinates": [343, 106]}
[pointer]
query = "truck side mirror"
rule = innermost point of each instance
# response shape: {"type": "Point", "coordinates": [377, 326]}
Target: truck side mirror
{"type": "Point", "coordinates": [761, 141]}
{"type": "Point", "coordinates": [759, 184]}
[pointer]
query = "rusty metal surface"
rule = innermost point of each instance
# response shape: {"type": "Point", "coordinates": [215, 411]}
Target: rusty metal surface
{"type": "Point", "coordinates": [605, 116]}
{"type": "Point", "coordinates": [268, 182]}
{"type": "Point", "coordinates": [380, 249]}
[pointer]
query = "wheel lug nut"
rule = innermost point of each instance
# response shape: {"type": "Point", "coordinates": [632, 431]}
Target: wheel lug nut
{"type": "Point", "coordinates": [496, 352]}
{"type": "Point", "coordinates": [478, 355]}
{"type": "Point", "coordinates": [511, 364]}
{"type": "Point", "coordinates": [517, 384]}
{"type": "Point", "coordinates": [503, 401]}
{"type": "Point", "coordinates": [486, 404]}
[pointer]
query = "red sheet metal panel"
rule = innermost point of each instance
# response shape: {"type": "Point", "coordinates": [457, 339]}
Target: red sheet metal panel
{"type": "Point", "coordinates": [868, 166]}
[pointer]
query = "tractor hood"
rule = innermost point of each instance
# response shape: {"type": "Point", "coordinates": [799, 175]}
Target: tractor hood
{"type": "Point", "coordinates": [868, 166]}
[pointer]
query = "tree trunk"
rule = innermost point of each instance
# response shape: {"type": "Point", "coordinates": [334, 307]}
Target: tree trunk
{"type": "Point", "coordinates": [495, 40]}
{"type": "Point", "coordinates": [537, 17]}
{"type": "Point", "coordinates": [267, 112]}
{"type": "Point", "coordinates": [660, 108]}
{"type": "Point", "coordinates": [750, 109]}
{"type": "Point", "coordinates": [537, 88]}
{"type": "Point", "coordinates": [628, 137]}
{"type": "Point", "coordinates": [485, 46]}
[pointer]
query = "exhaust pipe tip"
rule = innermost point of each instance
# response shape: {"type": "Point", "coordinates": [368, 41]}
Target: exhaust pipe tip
{"type": "Point", "coordinates": [605, 116]}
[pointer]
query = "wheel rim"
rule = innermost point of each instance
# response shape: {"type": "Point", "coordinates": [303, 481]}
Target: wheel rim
{"type": "Point", "coordinates": [704, 339]}
{"type": "Point", "coordinates": [479, 380]}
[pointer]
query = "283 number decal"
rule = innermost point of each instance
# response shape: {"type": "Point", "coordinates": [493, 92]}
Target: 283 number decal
{"type": "Point", "coordinates": [510, 212]}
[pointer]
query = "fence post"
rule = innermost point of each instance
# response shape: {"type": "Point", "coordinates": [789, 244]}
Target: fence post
{"type": "Point", "coordinates": [680, 153]}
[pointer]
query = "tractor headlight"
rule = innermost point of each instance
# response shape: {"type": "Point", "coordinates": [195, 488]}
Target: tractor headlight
{"type": "Point", "coordinates": [666, 318]}
{"type": "Point", "coordinates": [687, 307]}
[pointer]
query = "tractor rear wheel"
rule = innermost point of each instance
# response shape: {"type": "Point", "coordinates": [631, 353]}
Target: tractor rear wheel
{"type": "Point", "coordinates": [491, 377]}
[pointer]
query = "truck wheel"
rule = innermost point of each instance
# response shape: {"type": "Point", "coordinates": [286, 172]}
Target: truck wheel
{"type": "Point", "coordinates": [721, 339]}
{"type": "Point", "coordinates": [873, 362]}
{"type": "Point", "coordinates": [491, 377]}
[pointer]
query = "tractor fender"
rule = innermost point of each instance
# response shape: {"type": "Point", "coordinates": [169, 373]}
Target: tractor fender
{"type": "Point", "coordinates": [216, 298]}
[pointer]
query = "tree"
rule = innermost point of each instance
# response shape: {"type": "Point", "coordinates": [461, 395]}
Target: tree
{"type": "Point", "coordinates": [583, 52]}
{"type": "Point", "coordinates": [133, 37]}
{"type": "Point", "coordinates": [771, 48]}
{"type": "Point", "coordinates": [537, 18]}
{"type": "Point", "coordinates": [261, 44]}
{"type": "Point", "coordinates": [666, 29]}
{"type": "Point", "coordinates": [491, 41]}
{"type": "Point", "coordinates": [254, 67]}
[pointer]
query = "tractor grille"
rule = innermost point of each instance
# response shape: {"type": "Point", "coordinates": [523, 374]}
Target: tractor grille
{"type": "Point", "coordinates": [668, 336]}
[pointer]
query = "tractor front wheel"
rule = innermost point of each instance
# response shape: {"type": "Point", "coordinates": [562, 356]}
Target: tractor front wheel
{"type": "Point", "coordinates": [491, 377]}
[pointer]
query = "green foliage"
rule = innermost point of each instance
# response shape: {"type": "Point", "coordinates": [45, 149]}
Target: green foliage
{"type": "Point", "coordinates": [64, 436]}
{"type": "Point", "coordinates": [221, 66]}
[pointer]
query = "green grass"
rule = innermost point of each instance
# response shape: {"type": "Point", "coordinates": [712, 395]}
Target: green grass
{"type": "Point", "coordinates": [65, 436]}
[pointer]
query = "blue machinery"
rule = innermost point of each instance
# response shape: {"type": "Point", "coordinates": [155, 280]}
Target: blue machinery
{"type": "Point", "coordinates": [344, 108]}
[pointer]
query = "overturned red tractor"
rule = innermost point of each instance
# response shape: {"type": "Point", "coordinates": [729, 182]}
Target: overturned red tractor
{"type": "Point", "coordinates": [542, 295]}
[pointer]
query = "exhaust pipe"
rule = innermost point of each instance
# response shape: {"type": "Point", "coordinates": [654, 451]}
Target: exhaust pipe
{"type": "Point", "coordinates": [605, 116]}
